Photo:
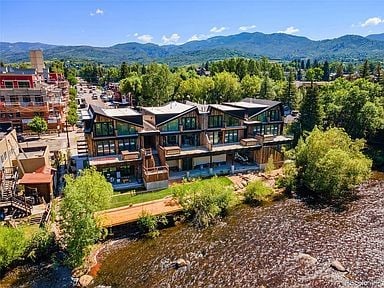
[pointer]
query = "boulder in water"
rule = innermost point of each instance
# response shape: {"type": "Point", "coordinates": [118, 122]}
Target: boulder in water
{"type": "Point", "coordinates": [180, 263]}
{"type": "Point", "coordinates": [338, 266]}
{"type": "Point", "coordinates": [306, 259]}
{"type": "Point", "coordinates": [85, 280]}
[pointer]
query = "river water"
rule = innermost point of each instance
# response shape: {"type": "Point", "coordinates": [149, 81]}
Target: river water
{"type": "Point", "coordinates": [259, 246]}
{"type": "Point", "coordinates": [253, 247]}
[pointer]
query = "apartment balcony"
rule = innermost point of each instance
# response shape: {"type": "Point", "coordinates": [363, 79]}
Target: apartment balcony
{"type": "Point", "coordinates": [129, 156]}
{"type": "Point", "coordinates": [273, 139]}
{"type": "Point", "coordinates": [170, 150]}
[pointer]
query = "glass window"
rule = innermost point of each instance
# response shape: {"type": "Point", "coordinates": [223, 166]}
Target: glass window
{"type": "Point", "coordinates": [104, 129]}
{"type": "Point", "coordinates": [127, 144]}
{"type": "Point", "coordinates": [231, 121]}
{"type": "Point", "coordinates": [215, 121]}
{"type": "Point", "coordinates": [170, 126]}
{"type": "Point", "coordinates": [231, 136]}
{"type": "Point", "coordinates": [257, 130]}
{"type": "Point", "coordinates": [105, 147]}
{"type": "Point", "coordinates": [271, 129]}
{"type": "Point", "coordinates": [215, 137]}
{"type": "Point", "coordinates": [39, 99]}
{"type": "Point", "coordinates": [26, 99]}
{"type": "Point", "coordinates": [13, 99]}
{"type": "Point", "coordinates": [190, 140]}
{"type": "Point", "coordinates": [170, 140]}
{"type": "Point", "coordinates": [189, 123]}
{"type": "Point", "coordinates": [23, 84]}
{"type": "Point", "coordinates": [8, 84]}
{"type": "Point", "coordinates": [125, 129]}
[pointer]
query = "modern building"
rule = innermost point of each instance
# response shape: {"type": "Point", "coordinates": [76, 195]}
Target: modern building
{"type": "Point", "coordinates": [156, 144]}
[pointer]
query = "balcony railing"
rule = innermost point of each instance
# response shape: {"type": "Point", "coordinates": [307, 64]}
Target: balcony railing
{"type": "Point", "coordinates": [126, 155]}
{"type": "Point", "coordinates": [158, 173]}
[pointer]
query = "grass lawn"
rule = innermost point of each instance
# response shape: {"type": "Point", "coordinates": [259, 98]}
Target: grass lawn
{"type": "Point", "coordinates": [125, 199]}
{"type": "Point", "coordinates": [30, 230]}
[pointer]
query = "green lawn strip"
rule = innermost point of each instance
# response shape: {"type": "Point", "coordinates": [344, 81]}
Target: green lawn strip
{"type": "Point", "coordinates": [125, 199]}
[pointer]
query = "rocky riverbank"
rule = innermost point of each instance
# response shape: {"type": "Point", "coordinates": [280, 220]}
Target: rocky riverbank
{"type": "Point", "coordinates": [287, 244]}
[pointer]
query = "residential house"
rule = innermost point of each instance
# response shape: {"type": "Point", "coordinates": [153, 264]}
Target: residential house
{"type": "Point", "coordinates": [113, 140]}
{"type": "Point", "coordinates": [176, 139]}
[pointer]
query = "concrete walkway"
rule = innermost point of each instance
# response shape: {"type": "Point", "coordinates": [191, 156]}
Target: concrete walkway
{"type": "Point", "coordinates": [128, 214]}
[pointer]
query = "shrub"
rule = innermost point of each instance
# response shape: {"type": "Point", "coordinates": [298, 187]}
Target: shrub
{"type": "Point", "coordinates": [257, 192]}
{"type": "Point", "coordinates": [12, 245]}
{"type": "Point", "coordinates": [205, 202]}
{"type": "Point", "coordinates": [41, 245]}
{"type": "Point", "coordinates": [288, 180]}
{"type": "Point", "coordinates": [148, 224]}
{"type": "Point", "coordinates": [269, 167]}
{"type": "Point", "coordinates": [330, 163]}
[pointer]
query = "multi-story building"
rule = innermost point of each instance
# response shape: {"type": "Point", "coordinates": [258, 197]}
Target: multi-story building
{"type": "Point", "coordinates": [30, 168]}
{"type": "Point", "coordinates": [23, 96]}
{"type": "Point", "coordinates": [177, 139]}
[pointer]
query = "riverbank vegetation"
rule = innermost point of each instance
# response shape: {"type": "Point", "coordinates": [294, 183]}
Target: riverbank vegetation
{"type": "Point", "coordinates": [205, 202]}
{"type": "Point", "coordinates": [24, 243]}
{"type": "Point", "coordinates": [328, 164]}
{"type": "Point", "coordinates": [257, 193]}
{"type": "Point", "coordinates": [80, 228]}
{"type": "Point", "coordinates": [148, 224]}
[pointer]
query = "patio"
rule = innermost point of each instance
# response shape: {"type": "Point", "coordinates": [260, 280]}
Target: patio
{"type": "Point", "coordinates": [219, 170]}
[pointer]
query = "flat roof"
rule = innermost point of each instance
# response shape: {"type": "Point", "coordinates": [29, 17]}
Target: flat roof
{"type": "Point", "coordinates": [36, 178]}
{"type": "Point", "coordinates": [116, 112]}
{"type": "Point", "coordinates": [226, 107]}
{"type": "Point", "coordinates": [248, 105]}
{"type": "Point", "coordinates": [170, 108]}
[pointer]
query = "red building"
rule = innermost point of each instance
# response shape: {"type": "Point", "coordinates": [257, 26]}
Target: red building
{"type": "Point", "coordinates": [23, 96]}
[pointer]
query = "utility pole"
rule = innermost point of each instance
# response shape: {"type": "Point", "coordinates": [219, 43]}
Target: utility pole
{"type": "Point", "coordinates": [66, 125]}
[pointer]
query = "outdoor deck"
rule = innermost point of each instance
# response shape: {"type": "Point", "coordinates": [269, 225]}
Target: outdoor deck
{"type": "Point", "coordinates": [219, 170]}
{"type": "Point", "coordinates": [129, 214]}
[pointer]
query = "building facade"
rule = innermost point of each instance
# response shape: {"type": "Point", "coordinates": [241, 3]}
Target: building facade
{"type": "Point", "coordinates": [158, 143]}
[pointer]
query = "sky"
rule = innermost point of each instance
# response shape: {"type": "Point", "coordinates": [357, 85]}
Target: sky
{"type": "Point", "coordinates": [105, 23]}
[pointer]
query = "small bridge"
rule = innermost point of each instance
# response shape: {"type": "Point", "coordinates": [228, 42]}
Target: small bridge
{"type": "Point", "coordinates": [129, 214]}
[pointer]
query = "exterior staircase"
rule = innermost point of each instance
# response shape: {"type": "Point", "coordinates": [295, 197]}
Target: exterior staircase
{"type": "Point", "coordinates": [82, 148]}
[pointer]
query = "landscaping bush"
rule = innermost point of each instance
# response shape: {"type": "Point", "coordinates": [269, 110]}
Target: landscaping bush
{"type": "Point", "coordinates": [257, 192]}
{"type": "Point", "coordinates": [148, 224]}
{"type": "Point", "coordinates": [206, 201]}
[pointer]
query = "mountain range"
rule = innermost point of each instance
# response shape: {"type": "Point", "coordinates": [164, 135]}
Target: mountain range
{"type": "Point", "coordinates": [252, 45]}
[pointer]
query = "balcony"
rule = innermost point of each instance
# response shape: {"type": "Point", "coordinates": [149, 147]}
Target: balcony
{"type": "Point", "coordinates": [130, 156]}
{"type": "Point", "coordinates": [169, 150]}
{"type": "Point", "coordinates": [155, 174]}
{"type": "Point", "coordinates": [249, 142]}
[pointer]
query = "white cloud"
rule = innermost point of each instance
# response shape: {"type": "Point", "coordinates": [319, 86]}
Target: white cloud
{"type": "Point", "coordinates": [144, 38]}
{"type": "Point", "coordinates": [246, 28]}
{"type": "Point", "coordinates": [136, 34]}
{"type": "Point", "coordinates": [289, 30]}
{"type": "Point", "coordinates": [217, 29]}
{"type": "Point", "coordinates": [97, 12]}
{"type": "Point", "coordinates": [173, 39]}
{"type": "Point", "coordinates": [197, 37]}
{"type": "Point", "coordinates": [372, 22]}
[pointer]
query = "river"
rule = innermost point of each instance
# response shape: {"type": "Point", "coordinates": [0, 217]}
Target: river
{"type": "Point", "coordinates": [257, 247]}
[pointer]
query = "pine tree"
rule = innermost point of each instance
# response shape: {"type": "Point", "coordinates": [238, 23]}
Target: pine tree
{"type": "Point", "coordinates": [364, 70]}
{"type": "Point", "coordinates": [289, 97]}
{"type": "Point", "coordinates": [326, 71]}
{"type": "Point", "coordinates": [311, 110]}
